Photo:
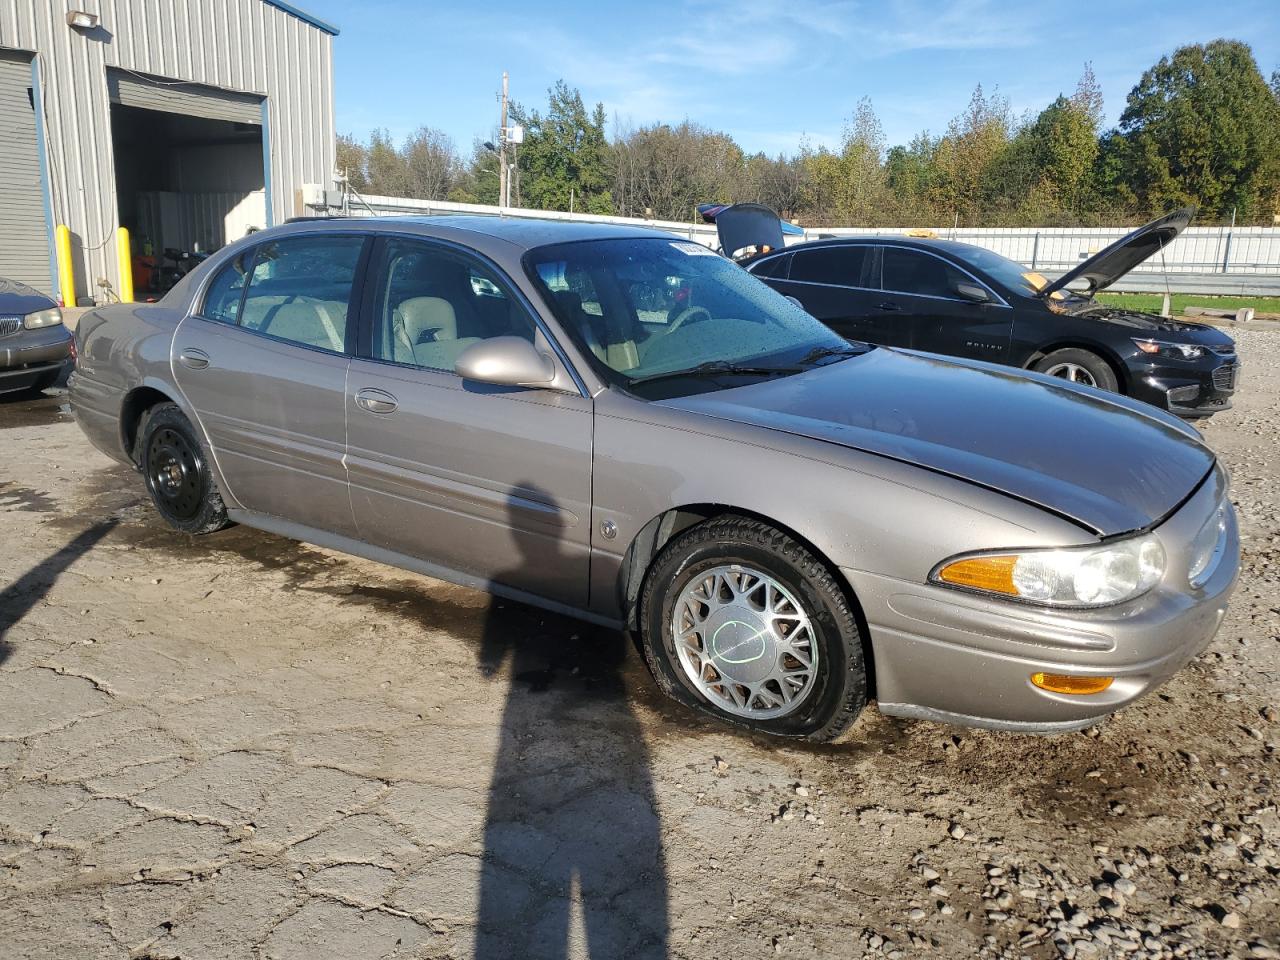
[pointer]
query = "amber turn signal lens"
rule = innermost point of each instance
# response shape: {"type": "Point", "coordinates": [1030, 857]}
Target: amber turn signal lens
{"type": "Point", "coordinates": [1061, 683]}
{"type": "Point", "coordinates": [994, 574]}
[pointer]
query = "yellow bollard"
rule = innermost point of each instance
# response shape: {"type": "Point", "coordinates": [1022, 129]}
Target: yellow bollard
{"type": "Point", "coordinates": [66, 276]}
{"type": "Point", "coordinates": [124, 264]}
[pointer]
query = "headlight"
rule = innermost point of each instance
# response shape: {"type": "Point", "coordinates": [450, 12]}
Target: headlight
{"type": "Point", "coordinates": [1073, 577]}
{"type": "Point", "coordinates": [42, 318]}
{"type": "Point", "coordinates": [1170, 351]}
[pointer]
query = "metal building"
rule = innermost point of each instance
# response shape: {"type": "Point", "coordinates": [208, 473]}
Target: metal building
{"type": "Point", "coordinates": [187, 121]}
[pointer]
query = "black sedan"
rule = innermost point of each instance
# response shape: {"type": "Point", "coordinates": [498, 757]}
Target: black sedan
{"type": "Point", "coordinates": [965, 301]}
{"type": "Point", "coordinates": [35, 348]}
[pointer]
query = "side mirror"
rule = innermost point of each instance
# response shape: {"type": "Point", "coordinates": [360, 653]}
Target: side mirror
{"type": "Point", "coordinates": [506, 361]}
{"type": "Point", "coordinates": [973, 293]}
{"type": "Point", "coordinates": [795, 300]}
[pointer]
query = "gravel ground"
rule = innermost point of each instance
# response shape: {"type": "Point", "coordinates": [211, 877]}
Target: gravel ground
{"type": "Point", "coordinates": [241, 746]}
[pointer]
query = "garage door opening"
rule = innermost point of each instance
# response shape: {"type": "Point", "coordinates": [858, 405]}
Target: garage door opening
{"type": "Point", "coordinates": [189, 173]}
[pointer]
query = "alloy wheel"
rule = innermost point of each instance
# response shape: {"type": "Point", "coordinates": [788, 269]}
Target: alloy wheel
{"type": "Point", "coordinates": [1073, 372]}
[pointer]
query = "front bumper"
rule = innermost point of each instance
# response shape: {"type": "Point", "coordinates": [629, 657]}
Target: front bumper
{"type": "Point", "coordinates": [31, 356]}
{"type": "Point", "coordinates": [944, 655]}
{"type": "Point", "coordinates": [1187, 390]}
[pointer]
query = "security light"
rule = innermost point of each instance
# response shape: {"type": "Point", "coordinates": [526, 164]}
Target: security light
{"type": "Point", "coordinates": [82, 20]}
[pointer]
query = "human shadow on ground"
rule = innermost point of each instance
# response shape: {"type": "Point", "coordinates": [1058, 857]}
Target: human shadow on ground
{"type": "Point", "coordinates": [572, 823]}
{"type": "Point", "coordinates": [19, 597]}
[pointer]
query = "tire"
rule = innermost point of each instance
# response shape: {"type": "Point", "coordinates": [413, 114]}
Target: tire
{"type": "Point", "coordinates": [801, 600]}
{"type": "Point", "coordinates": [175, 468]}
{"type": "Point", "coordinates": [1080, 366]}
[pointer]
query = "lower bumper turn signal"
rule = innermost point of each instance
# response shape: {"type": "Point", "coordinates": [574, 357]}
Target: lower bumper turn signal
{"type": "Point", "coordinates": [1062, 683]}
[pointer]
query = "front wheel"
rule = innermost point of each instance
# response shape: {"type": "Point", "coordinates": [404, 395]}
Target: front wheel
{"type": "Point", "coordinates": [177, 472]}
{"type": "Point", "coordinates": [1079, 366]}
{"type": "Point", "coordinates": [741, 621]}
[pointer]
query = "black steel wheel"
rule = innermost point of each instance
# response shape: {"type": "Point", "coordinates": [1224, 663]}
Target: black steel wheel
{"type": "Point", "coordinates": [177, 472]}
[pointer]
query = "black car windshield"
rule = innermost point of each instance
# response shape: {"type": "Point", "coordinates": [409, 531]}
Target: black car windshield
{"type": "Point", "coordinates": [665, 317]}
{"type": "Point", "coordinates": [1010, 273]}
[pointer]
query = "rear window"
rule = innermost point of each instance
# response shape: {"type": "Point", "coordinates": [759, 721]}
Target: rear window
{"type": "Point", "coordinates": [772, 267]}
{"type": "Point", "coordinates": [848, 265]}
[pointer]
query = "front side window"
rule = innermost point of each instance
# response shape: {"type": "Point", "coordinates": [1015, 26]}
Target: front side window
{"type": "Point", "coordinates": [847, 265]}
{"type": "Point", "coordinates": [908, 271]}
{"type": "Point", "coordinates": [655, 309]}
{"type": "Point", "coordinates": [432, 303]}
{"type": "Point", "coordinates": [222, 300]}
{"type": "Point", "coordinates": [300, 290]}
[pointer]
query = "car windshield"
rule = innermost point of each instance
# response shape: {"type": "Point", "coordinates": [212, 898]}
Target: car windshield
{"type": "Point", "coordinates": [664, 317]}
{"type": "Point", "coordinates": [1012, 274]}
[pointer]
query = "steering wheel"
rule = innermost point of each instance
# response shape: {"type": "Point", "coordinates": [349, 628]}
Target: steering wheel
{"type": "Point", "coordinates": [688, 315]}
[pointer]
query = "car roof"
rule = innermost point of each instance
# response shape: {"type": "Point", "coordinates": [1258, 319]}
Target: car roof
{"type": "Point", "coordinates": [523, 232]}
{"type": "Point", "coordinates": [921, 243]}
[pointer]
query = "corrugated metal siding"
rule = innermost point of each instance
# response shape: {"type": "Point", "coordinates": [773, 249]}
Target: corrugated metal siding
{"type": "Point", "coordinates": [186, 99]}
{"type": "Point", "coordinates": [204, 221]}
{"type": "Point", "coordinates": [247, 46]}
{"type": "Point", "coordinates": [24, 238]}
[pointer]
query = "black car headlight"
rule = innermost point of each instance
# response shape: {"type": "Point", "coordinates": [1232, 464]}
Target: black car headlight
{"type": "Point", "coordinates": [42, 318]}
{"type": "Point", "coordinates": [1169, 350]}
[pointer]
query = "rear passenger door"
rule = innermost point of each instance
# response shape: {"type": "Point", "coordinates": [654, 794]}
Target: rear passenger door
{"type": "Point", "coordinates": [487, 481]}
{"type": "Point", "coordinates": [263, 363]}
{"type": "Point", "coordinates": [923, 290]}
{"type": "Point", "coordinates": [838, 284]}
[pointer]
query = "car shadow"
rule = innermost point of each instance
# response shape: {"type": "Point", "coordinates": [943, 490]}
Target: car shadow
{"type": "Point", "coordinates": [19, 597]}
{"type": "Point", "coordinates": [572, 822]}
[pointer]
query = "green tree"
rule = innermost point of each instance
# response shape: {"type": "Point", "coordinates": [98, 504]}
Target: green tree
{"type": "Point", "coordinates": [966, 155]}
{"type": "Point", "coordinates": [564, 153]}
{"type": "Point", "coordinates": [1203, 127]}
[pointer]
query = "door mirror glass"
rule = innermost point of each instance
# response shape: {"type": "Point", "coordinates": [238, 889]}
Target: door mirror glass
{"type": "Point", "coordinates": [506, 361]}
{"type": "Point", "coordinates": [973, 293]}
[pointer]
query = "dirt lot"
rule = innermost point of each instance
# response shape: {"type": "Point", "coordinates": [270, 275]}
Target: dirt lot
{"type": "Point", "coordinates": [241, 746]}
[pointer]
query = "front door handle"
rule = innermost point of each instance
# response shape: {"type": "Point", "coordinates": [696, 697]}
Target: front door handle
{"type": "Point", "coordinates": [193, 358]}
{"type": "Point", "coordinates": [888, 307]}
{"type": "Point", "coordinates": [376, 401]}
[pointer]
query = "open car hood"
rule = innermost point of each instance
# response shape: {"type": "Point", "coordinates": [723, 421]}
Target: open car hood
{"type": "Point", "coordinates": [1108, 266]}
{"type": "Point", "coordinates": [748, 230]}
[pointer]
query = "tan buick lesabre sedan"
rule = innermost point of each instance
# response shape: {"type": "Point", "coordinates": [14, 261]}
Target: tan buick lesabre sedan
{"type": "Point", "coordinates": [621, 425]}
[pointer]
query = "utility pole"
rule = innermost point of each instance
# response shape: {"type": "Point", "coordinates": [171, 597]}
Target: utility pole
{"type": "Point", "coordinates": [504, 187]}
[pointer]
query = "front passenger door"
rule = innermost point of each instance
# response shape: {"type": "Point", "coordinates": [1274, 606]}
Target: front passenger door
{"type": "Point", "coordinates": [491, 482]}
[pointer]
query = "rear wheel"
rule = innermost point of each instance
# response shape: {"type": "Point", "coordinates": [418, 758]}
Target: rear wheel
{"type": "Point", "coordinates": [741, 621]}
{"type": "Point", "coordinates": [177, 472]}
{"type": "Point", "coordinates": [1079, 366]}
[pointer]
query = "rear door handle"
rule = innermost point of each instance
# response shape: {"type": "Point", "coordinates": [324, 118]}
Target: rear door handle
{"type": "Point", "coordinates": [887, 306]}
{"type": "Point", "coordinates": [376, 401]}
{"type": "Point", "coordinates": [193, 358]}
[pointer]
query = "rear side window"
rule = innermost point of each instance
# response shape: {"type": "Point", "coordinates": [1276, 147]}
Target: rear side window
{"type": "Point", "coordinates": [222, 301]}
{"type": "Point", "coordinates": [908, 271]}
{"type": "Point", "coordinates": [773, 267]}
{"type": "Point", "coordinates": [848, 265]}
{"type": "Point", "coordinates": [300, 290]}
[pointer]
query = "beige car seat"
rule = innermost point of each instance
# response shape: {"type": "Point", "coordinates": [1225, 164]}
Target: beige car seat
{"type": "Point", "coordinates": [426, 333]}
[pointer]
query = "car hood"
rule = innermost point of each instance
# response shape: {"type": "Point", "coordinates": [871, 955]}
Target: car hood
{"type": "Point", "coordinates": [17, 299]}
{"type": "Point", "coordinates": [1105, 268]}
{"type": "Point", "coordinates": [746, 225]}
{"type": "Point", "coordinates": [1100, 461]}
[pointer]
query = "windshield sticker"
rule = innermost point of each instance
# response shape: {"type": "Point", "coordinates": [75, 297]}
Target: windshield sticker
{"type": "Point", "coordinates": [694, 249]}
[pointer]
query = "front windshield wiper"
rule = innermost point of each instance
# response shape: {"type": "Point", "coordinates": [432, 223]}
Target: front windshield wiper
{"type": "Point", "coordinates": [821, 353]}
{"type": "Point", "coordinates": [714, 368]}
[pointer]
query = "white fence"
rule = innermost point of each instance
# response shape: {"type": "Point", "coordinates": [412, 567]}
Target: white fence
{"type": "Point", "coordinates": [1238, 252]}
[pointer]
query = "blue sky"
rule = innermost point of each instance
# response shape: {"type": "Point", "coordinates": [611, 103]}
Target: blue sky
{"type": "Point", "coordinates": [799, 68]}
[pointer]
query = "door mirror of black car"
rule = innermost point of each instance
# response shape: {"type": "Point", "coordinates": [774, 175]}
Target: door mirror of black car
{"type": "Point", "coordinates": [795, 300]}
{"type": "Point", "coordinates": [973, 293]}
{"type": "Point", "coordinates": [506, 361]}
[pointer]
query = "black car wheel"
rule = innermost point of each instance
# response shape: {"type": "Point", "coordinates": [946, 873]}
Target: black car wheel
{"type": "Point", "coordinates": [739, 620]}
{"type": "Point", "coordinates": [177, 473]}
{"type": "Point", "coordinates": [1079, 366]}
